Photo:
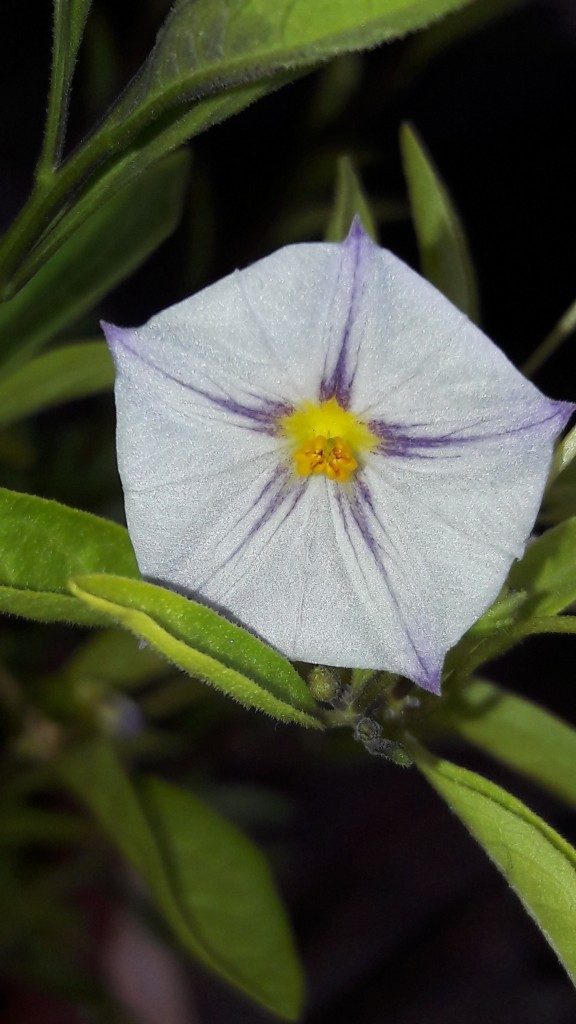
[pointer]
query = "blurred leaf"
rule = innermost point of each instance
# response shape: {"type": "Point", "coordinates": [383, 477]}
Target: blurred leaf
{"type": "Point", "coordinates": [300, 222]}
{"type": "Point", "coordinates": [552, 342]}
{"type": "Point", "coordinates": [43, 544]}
{"type": "Point", "coordinates": [115, 657]}
{"type": "Point", "coordinates": [21, 826]}
{"type": "Point", "coordinates": [74, 371]}
{"type": "Point", "coordinates": [337, 84]}
{"type": "Point", "coordinates": [211, 59]}
{"type": "Point", "coordinates": [441, 240]}
{"type": "Point", "coordinates": [535, 860]}
{"type": "Point", "coordinates": [516, 732]}
{"type": "Point", "coordinates": [69, 21]}
{"type": "Point", "coordinates": [564, 455]}
{"type": "Point", "coordinates": [101, 67]}
{"type": "Point", "coordinates": [547, 570]}
{"type": "Point", "coordinates": [560, 497]}
{"type": "Point", "coordinates": [212, 885]}
{"type": "Point", "coordinates": [203, 644]}
{"type": "Point", "coordinates": [349, 202]}
{"type": "Point", "coordinates": [119, 235]}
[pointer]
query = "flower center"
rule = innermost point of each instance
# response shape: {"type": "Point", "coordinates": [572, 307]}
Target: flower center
{"type": "Point", "coordinates": [327, 439]}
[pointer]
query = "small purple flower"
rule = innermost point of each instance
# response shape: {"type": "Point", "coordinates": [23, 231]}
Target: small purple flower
{"type": "Point", "coordinates": [326, 449]}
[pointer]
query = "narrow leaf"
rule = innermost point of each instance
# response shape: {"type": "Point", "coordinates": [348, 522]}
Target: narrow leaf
{"type": "Point", "coordinates": [535, 860]}
{"type": "Point", "coordinates": [208, 880]}
{"type": "Point", "coordinates": [442, 243]}
{"type": "Point", "coordinates": [120, 233]}
{"type": "Point", "coordinates": [516, 732]}
{"type": "Point", "coordinates": [212, 58]}
{"type": "Point", "coordinates": [69, 21]}
{"type": "Point", "coordinates": [349, 202]}
{"type": "Point", "coordinates": [203, 644]}
{"type": "Point", "coordinates": [74, 371]}
{"type": "Point", "coordinates": [43, 544]}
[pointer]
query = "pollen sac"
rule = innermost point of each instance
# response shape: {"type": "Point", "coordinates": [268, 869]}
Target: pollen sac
{"type": "Point", "coordinates": [329, 455]}
{"type": "Point", "coordinates": [328, 439]}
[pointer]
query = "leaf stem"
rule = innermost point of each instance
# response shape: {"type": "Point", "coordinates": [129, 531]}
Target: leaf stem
{"type": "Point", "coordinates": [562, 330]}
{"type": "Point", "coordinates": [57, 113]}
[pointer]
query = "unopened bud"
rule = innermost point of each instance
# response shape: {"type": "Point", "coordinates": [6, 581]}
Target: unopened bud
{"type": "Point", "coordinates": [324, 684]}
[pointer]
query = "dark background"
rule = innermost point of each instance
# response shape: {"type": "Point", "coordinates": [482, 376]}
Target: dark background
{"type": "Point", "coordinates": [399, 916]}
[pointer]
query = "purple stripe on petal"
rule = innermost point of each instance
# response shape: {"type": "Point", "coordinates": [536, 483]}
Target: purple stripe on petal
{"type": "Point", "coordinates": [398, 441]}
{"type": "Point", "coordinates": [356, 508]}
{"type": "Point", "coordinates": [263, 416]}
{"type": "Point", "coordinates": [285, 495]}
{"type": "Point", "coordinates": [337, 383]}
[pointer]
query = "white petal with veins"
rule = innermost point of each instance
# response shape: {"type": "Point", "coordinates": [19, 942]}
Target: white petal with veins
{"type": "Point", "coordinates": [387, 570]}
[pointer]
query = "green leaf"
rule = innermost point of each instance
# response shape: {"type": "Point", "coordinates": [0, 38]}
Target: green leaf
{"type": "Point", "coordinates": [516, 732]}
{"type": "Point", "coordinates": [542, 584]}
{"type": "Point", "coordinates": [23, 826]}
{"type": "Point", "coordinates": [336, 85]}
{"type": "Point", "coordinates": [211, 884]}
{"type": "Point", "coordinates": [203, 644]}
{"type": "Point", "coordinates": [43, 544]}
{"type": "Point", "coordinates": [69, 21]}
{"type": "Point", "coordinates": [349, 202]}
{"type": "Point", "coordinates": [560, 498]}
{"type": "Point", "coordinates": [74, 371]}
{"type": "Point", "coordinates": [236, 42]}
{"type": "Point", "coordinates": [442, 243]}
{"type": "Point", "coordinates": [535, 860]}
{"type": "Point", "coordinates": [563, 456]}
{"type": "Point", "coordinates": [119, 235]}
{"type": "Point", "coordinates": [212, 58]}
{"type": "Point", "coordinates": [547, 571]}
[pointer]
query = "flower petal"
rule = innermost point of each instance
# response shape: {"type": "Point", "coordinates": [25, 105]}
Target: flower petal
{"type": "Point", "coordinates": [454, 490]}
{"type": "Point", "coordinates": [279, 323]}
{"type": "Point", "coordinates": [387, 572]}
{"type": "Point", "coordinates": [213, 509]}
{"type": "Point", "coordinates": [419, 365]}
{"type": "Point", "coordinates": [280, 559]}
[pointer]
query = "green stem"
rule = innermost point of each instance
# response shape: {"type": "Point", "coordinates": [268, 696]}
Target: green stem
{"type": "Point", "coordinates": [563, 329]}
{"type": "Point", "coordinates": [57, 97]}
{"type": "Point", "coordinates": [41, 209]}
{"type": "Point", "coordinates": [552, 624]}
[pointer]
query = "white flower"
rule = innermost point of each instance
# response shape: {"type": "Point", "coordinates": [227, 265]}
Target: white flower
{"type": "Point", "coordinates": [322, 447]}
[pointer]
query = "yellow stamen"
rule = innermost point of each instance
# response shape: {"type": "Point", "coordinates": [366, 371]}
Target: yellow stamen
{"type": "Point", "coordinates": [327, 439]}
